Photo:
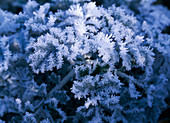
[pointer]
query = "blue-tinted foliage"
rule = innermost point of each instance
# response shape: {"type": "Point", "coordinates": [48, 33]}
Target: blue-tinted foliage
{"type": "Point", "coordinates": [84, 62]}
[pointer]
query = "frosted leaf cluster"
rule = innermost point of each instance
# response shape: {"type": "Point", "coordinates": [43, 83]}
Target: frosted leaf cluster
{"type": "Point", "coordinates": [84, 62]}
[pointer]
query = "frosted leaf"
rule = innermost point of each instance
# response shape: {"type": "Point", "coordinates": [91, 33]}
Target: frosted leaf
{"type": "Point", "coordinates": [133, 92]}
{"type": "Point", "coordinates": [75, 10]}
{"type": "Point", "coordinates": [92, 102]}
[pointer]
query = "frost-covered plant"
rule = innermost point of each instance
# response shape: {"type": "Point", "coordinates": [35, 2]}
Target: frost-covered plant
{"type": "Point", "coordinates": [97, 64]}
{"type": "Point", "coordinates": [17, 5]}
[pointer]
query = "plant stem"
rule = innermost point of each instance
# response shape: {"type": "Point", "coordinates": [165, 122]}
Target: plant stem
{"type": "Point", "coordinates": [57, 87]}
